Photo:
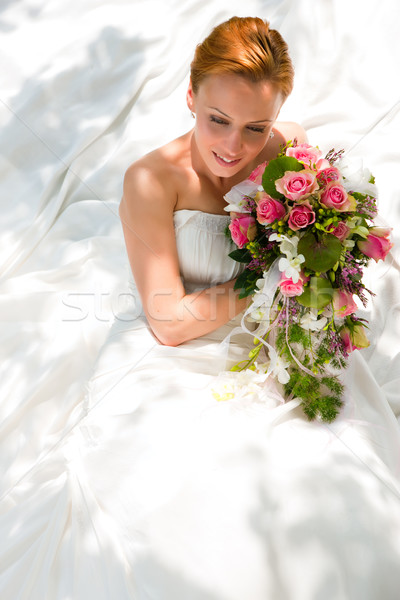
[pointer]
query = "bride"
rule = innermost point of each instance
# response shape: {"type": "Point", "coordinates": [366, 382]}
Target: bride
{"type": "Point", "coordinates": [240, 77]}
{"type": "Point", "coordinates": [160, 492]}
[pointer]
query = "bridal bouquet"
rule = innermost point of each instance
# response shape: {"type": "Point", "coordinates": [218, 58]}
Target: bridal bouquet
{"type": "Point", "coordinates": [304, 227]}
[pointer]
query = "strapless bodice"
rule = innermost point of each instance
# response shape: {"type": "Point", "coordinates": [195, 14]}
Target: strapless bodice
{"type": "Point", "coordinates": [203, 248]}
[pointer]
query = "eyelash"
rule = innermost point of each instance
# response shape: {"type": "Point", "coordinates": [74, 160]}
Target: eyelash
{"type": "Point", "coordinates": [222, 122]}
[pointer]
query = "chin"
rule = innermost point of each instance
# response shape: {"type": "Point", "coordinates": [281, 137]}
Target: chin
{"type": "Point", "coordinates": [226, 171]}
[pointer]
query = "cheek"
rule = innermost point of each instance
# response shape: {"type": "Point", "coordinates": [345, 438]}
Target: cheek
{"type": "Point", "coordinates": [255, 141]}
{"type": "Point", "coordinates": [205, 127]}
{"type": "Point", "coordinates": [211, 133]}
{"type": "Point", "coordinates": [202, 136]}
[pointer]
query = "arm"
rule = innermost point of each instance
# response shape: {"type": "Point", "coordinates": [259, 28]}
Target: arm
{"type": "Point", "coordinates": [146, 212]}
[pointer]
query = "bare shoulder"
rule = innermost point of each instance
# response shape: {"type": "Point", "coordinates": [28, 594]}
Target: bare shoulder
{"type": "Point", "coordinates": [154, 179]}
{"type": "Point", "coordinates": [148, 181]}
{"type": "Point", "coordinates": [289, 130]}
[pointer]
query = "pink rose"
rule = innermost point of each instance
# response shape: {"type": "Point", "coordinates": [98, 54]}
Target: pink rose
{"type": "Point", "coordinates": [328, 174]}
{"type": "Point", "coordinates": [243, 229]}
{"type": "Point", "coordinates": [335, 196]}
{"type": "Point", "coordinates": [289, 288]}
{"type": "Point", "coordinates": [322, 164]}
{"type": "Point", "coordinates": [268, 209]}
{"type": "Point", "coordinates": [301, 216]}
{"type": "Point", "coordinates": [256, 175]}
{"type": "Point", "coordinates": [297, 185]}
{"type": "Point", "coordinates": [305, 154]}
{"type": "Point", "coordinates": [341, 231]}
{"type": "Point", "coordinates": [377, 244]}
{"type": "Point", "coordinates": [354, 339]}
{"type": "Point", "coordinates": [343, 303]}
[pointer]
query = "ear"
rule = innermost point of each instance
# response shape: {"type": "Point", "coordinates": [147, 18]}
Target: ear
{"type": "Point", "coordinates": [190, 97]}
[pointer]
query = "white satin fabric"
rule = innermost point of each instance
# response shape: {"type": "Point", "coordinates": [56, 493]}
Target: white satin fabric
{"type": "Point", "coordinates": [87, 509]}
{"type": "Point", "coordinates": [155, 491]}
{"type": "Point", "coordinates": [203, 248]}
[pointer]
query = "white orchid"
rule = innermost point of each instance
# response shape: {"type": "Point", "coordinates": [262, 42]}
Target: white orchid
{"type": "Point", "coordinates": [237, 196]}
{"type": "Point", "coordinates": [280, 370]}
{"type": "Point", "coordinates": [258, 297]}
{"type": "Point", "coordinates": [259, 314]}
{"type": "Point", "coordinates": [259, 310]}
{"type": "Point", "coordinates": [288, 245]}
{"type": "Point", "coordinates": [292, 267]}
{"type": "Point", "coordinates": [235, 208]}
{"type": "Point", "coordinates": [310, 321]}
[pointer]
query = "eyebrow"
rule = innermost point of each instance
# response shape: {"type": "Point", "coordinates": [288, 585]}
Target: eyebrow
{"type": "Point", "coordinates": [225, 115]}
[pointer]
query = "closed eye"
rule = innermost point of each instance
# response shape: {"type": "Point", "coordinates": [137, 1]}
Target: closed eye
{"type": "Point", "coordinates": [220, 121]}
{"type": "Point", "coordinates": [256, 129]}
{"type": "Point", "coordinates": [217, 120]}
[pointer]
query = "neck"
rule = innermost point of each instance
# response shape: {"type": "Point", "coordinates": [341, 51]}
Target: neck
{"type": "Point", "coordinates": [221, 184]}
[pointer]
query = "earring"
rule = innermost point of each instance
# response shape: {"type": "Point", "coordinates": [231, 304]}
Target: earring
{"type": "Point", "coordinates": [193, 115]}
{"type": "Point", "coordinates": [271, 134]}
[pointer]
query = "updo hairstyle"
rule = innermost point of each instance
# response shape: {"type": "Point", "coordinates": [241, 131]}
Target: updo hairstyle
{"type": "Point", "coordinates": [244, 46]}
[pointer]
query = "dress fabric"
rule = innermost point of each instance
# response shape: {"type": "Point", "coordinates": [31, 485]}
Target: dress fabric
{"type": "Point", "coordinates": [156, 491]}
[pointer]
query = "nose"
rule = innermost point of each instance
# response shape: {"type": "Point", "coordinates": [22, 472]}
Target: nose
{"type": "Point", "coordinates": [234, 143]}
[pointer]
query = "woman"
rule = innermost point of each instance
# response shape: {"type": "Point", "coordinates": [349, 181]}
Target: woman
{"type": "Point", "coordinates": [240, 77]}
{"type": "Point", "coordinates": [163, 493]}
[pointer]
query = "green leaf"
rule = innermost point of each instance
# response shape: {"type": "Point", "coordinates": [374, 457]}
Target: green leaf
{"type": "Point", "coordinates": [241, 255]}
{"type": "Point", "coordinates": [246, 282]}
{"type": "Point", "coordinates": [320, 254]}
{"type": "Point", "coordinates": [358, 196]}
{"type": "Point", "coordinates": [276, 169]}
{"type": "Point", "coordinates": [317, 294]}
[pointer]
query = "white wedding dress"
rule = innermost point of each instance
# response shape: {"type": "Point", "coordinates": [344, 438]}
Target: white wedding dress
{"type": "Point", "coordinates": [156, 491]}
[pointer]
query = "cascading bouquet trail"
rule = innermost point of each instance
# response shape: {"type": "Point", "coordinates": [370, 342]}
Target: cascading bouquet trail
{"type": "Point", "coordinates": [304, 227]}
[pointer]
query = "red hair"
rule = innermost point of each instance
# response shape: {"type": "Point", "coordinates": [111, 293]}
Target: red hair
{"type": "Point", "coordinates": [244, 46]}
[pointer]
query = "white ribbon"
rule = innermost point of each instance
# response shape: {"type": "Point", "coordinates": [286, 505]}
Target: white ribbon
{"type": "Point", "coordinates": [299, 364]}
{"type": "Point", "coordinates": [264, 298]}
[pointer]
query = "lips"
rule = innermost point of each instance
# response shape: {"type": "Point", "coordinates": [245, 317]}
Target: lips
{"type": "Point", "coordinates": [226, 162]}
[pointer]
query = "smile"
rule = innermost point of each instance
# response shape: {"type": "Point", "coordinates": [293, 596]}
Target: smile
{"type": "Point", "coordinates": [225, 161]}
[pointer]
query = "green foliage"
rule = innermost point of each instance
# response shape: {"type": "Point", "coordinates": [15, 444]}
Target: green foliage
{"type": "Point", "coordinates": [280, 341]}
{"type": "Point", "coordinates": [246, 283]}
{"type": "Point", "coordinates": [317, 294]}
{"type": "Point", "coordinates": [302, 385]}
{"type": "Point", "coordinates": [276, 169]}
{"type": "Point", "coordinates": [297, 335]}
{"type": "Point", "coordinates": [227, 232]}
{"type": "Point", "coordinates": [333, 384]}
{"type": "Point", "coordinates": [325, 407]}
{"type": "Point", "coordinates": [320, 397]}
{"type": "Point", "coordinates": [323, 354]}
{"type": "Point", "coordinates": [241, 255]}
{"type": "Point", "coordinates": [320, 253]}
{"type": "Point", "coordinates": [358, 196]}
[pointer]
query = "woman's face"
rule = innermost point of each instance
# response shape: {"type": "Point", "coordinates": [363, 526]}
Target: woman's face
{"type": "Point", "coordinates": [234, 117]}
